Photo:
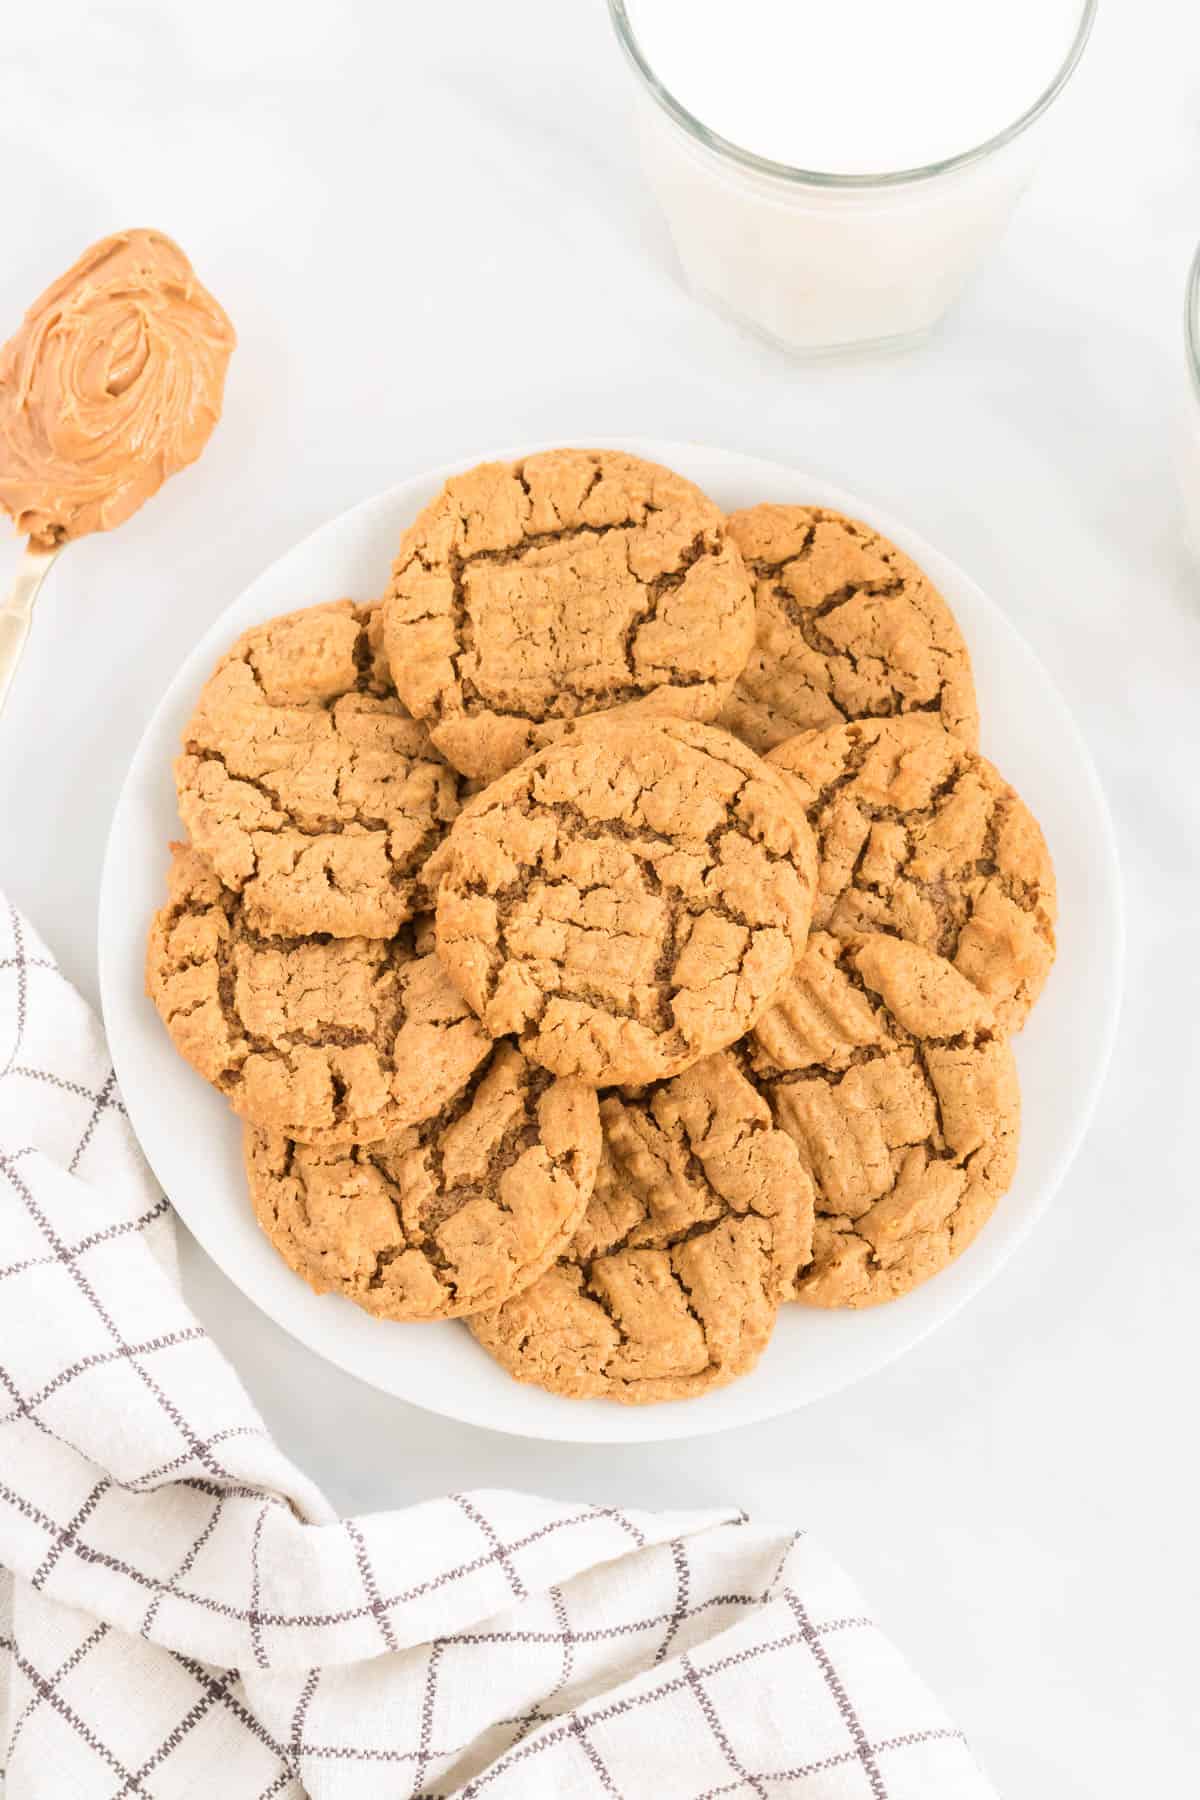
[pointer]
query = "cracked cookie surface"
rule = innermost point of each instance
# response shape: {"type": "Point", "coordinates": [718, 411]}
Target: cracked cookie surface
{"type": "Point", "coordinates": [628, 901]}
{"type": "Point", "coordinates": [305, 781]}
{"type": "Point", "coordinates": [882, 1064]}
{"type": "Point", "coordinates": [570, 583]}
{"type": "Point", "coordinates": [332, 1040]}
{"type": "Point", "coordinates": [919, 835]}
{"type": "Point", "coordinates": [700, 1219]}
{"type": "Point", "coordinates": [447, 1217]}
{"type": "Point", "coordinates": [847, 627]}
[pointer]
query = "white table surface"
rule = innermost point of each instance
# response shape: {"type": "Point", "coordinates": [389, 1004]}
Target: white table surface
{"type": "Point", "coordinates": [428, 225]}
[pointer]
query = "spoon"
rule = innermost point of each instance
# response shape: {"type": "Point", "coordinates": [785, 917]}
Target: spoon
{"type": "Point", "coordinates": [113, 382]}
{"type": "Point", "coordinates": [16, 613]}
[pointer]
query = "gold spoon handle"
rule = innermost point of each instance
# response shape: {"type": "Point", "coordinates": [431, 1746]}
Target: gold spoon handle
{"type": "Point", "coordinates": [16, 612]}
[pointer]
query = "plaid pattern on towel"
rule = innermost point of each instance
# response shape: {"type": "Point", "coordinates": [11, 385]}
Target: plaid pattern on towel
{"type": "Point", "coordinates": [181, 1612]}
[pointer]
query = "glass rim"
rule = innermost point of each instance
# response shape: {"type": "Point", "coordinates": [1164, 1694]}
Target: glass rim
{"type": "Point", "coordinates": [763, 165]}
{"type": "Point", "coordinates": [1191, 322]}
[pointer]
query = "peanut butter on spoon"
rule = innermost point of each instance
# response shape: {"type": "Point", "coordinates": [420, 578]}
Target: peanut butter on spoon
{"type": "Point", "coordinates": [113, 382]}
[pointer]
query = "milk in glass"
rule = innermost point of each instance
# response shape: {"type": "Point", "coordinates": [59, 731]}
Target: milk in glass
{"type": "Point", "coordinates": [833, 170]}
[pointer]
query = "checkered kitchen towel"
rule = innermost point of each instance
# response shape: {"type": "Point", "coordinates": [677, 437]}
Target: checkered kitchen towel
{"type": "Point", "coordinates": [182, 1613]}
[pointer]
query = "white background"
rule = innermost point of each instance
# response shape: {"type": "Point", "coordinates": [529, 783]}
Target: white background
{"type": "Point", "coordinates": [429, 228]}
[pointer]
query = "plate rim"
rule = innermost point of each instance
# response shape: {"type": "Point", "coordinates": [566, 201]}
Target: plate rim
{"type": "Point", "coordinates": [634, 1424]}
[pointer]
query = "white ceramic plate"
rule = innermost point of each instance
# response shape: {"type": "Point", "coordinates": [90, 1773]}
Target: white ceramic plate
{"type": "Point", "coordinates": [192, 1139]}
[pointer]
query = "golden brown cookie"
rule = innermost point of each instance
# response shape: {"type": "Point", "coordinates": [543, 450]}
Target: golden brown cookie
{"type": "Point", "coordinates": [333, 1040]}
{"type": "Point", "coordinates": [570, 583]}
{"type": "Point", "coordinates": [627, 901]}
{"type": "Point", "coordinates": [919, 835]}
{"type": "Point", "coordinates": [701, 1218]}
{"type": "Point", "coordinates": [848, 627]}
{"type": "Point", "coordinates": [306, 783]}
{"type": "Point", "coordinates": [448, 1216]}
{"type": "Point", "coordinates": [883, 1065]}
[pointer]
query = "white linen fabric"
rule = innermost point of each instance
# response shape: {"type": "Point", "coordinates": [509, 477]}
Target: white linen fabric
{"type": "Point", "coordinates": [181, 1612]}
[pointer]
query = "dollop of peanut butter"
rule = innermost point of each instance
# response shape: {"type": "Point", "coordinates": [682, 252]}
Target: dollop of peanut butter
{"type": "Point", "coordinates": [113, 382]}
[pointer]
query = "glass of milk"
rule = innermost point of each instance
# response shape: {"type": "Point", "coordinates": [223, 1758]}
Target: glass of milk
{"type": "Point", "coordinates": [832, 171]}
{"type": "Point", "coordinates": [1188, 460]}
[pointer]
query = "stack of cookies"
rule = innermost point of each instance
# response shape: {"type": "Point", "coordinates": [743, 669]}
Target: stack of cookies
{"type": "Point", "coordinates": [613, 933]}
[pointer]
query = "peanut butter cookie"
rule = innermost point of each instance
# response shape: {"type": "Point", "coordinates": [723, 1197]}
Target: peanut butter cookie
{"type": "Point", "coordinates": [917, 834]}
{"type": "Point", "coordinates": [573, 582]}
{"type": "Point", "coordinates": [448, 1216]}
{"type": "Point", "coordinates": [627, 901]}
{"type": "Point", "coordinates": [305, 782]}
{"type": "Point", "coordinates": [333, 1040]}
{"type": "Point", "coordinates": [882, 1063]}
{"type": "Point", "coordinates": [701, 1218]}
{"type": "Point", "coordinates": [848, 627]}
